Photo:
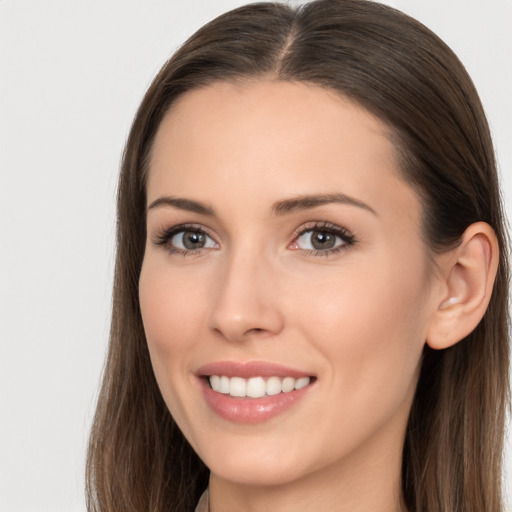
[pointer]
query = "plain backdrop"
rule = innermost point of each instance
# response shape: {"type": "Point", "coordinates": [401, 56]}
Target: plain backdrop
{"type": "Point", "coordinates": [71, 76]}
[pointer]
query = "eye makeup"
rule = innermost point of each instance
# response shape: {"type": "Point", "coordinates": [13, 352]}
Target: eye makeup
{"type": "Point", "coordinates": [186, 239]}
{"type": "Point", "coordinates": [315, 238]}
{"type": "Point", "coordinates": [322, 239]}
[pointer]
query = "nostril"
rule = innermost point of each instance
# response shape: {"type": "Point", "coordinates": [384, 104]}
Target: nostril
{"type": "Point", "coordinates": [254, 331]}
{"type": "Point", "coordinates": [238, 322]}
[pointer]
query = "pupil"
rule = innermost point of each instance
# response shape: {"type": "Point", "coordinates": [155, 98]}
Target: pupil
{"type": "Point", "coordinates": [323, 240]}
{"type": "Point", "coordinates": [193, 240]}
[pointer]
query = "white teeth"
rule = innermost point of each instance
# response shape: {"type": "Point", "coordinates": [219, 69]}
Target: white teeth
{"type": "Point", "coordinates": [237, 386]}
{"type": "Point", "coordinates": [256, 387]}
{"type": "Point", "coordinates": [274, 386]}
{"type": "Point", "coordinates": [215, 382]}
{"type": "Point", "coordinates": [288, 384]}
{"type": "Point", "coordinates": [302, 382]}
{"type": "Point", "coordinates": [224, 385]}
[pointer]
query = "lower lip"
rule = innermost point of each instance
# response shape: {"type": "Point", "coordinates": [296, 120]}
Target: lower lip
{"type": "Point", "coordinates": [251, 410]}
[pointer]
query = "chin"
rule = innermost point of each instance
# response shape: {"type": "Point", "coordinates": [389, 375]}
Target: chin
{"type": "Point", "coordinates": [256, 473]}
{"type": "Point", "coordinates": [259, 462]}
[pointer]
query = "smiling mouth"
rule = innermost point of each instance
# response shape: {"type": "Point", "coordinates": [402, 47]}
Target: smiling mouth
{"type": "Point", "coordinates": [253, 392]}
{"type": "Point", "coordinates": [256, 387]}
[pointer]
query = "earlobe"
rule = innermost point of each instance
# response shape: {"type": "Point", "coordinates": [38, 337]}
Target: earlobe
{"type": "Point", "coordinates": [468, 273]}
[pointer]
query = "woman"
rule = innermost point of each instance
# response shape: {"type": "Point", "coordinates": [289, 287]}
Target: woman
{"type": "Point", "coordinates": [310, 302]}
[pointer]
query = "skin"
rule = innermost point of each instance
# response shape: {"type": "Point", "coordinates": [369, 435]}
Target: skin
{"type": "Point", "coordinates": [356, 319]}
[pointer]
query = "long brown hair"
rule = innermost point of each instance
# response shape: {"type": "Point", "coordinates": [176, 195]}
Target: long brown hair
{"type": "Point", "coordinates": [400, 71]}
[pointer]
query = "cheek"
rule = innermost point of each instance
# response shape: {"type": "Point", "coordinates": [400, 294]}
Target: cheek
{"type": "Point", "coordinates": [371, 327]}
{"type": "Point", "coordinates": [169, 307]}
{"type": "Point", "coordinates": [170, 311]}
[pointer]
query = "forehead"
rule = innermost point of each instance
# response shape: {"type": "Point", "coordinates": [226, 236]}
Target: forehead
{"type": "Point", "coordinates": [287, 116]}
{"type": "Point", "coordinates": [263, 140]}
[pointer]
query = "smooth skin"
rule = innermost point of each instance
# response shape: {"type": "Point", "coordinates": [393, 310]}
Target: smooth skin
{"type": "Point", "coordinates": [247, 280]}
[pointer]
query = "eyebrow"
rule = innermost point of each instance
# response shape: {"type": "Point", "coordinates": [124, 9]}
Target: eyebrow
{"type": "Point", "coordinates": [312, 201]}
{"type": "Point", "coordinates": [183, 204]}
{"type": "Point", "coordinates": [284, 207]}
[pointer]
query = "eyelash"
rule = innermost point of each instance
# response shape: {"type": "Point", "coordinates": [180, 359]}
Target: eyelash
{"type": "Point", "coordinates": [164, 238]}
{"type": "Point", "coordinates": [347, 238]}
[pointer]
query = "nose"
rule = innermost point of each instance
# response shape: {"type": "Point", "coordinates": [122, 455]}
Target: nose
{"type": "Point", "coordinates": [246, 300]}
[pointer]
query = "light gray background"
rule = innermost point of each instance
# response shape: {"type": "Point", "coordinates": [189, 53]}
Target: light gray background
{"type": "Point", "coordinates": [71, 76]}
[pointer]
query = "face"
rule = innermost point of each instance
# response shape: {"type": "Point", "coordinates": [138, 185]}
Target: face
{"type": "Point", "coordinates": [285, 284]}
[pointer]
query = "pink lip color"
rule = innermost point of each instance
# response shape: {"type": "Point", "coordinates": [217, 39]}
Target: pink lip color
{"type": "Point", "coordinates": [249, 369]}
{"type": "Point", "coordinates": [249, 410]}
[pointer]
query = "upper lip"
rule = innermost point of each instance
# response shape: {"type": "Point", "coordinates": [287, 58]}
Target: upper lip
{"type": "Point", "coordinates": [249, 369]}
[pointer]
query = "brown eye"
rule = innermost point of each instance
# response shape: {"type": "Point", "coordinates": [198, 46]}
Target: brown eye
{"type": "Point", "coordinates": [193, 240]}
{"type": "Point", "coordinates": [323, 239]}
{"type": "Point", "coordinates": [188, 240]}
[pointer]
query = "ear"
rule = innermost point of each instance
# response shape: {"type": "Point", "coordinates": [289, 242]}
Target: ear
{"type": "Point", "coordinates": [468, 274]}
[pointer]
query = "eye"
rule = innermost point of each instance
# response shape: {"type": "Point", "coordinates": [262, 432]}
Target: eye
{"type": "Point", "coordinates": [324, 239]}
{"type": "Point", "coordinates": [192, 240]}
{"type": "Point", "coordinates": [318, 240]}
{"type": "Point", "coordinates": [186, 240]}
